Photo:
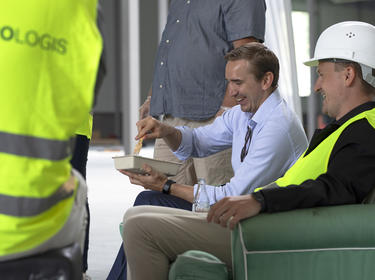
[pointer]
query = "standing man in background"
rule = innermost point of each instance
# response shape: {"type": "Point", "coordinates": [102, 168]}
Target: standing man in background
{"type": "Point", "coordinates": [189, 87]}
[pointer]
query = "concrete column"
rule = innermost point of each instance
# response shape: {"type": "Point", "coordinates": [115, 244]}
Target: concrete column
{"type": "Point", "coordinates": [312, 106]}
{"type": "Point", "coordinates": [129, 70]}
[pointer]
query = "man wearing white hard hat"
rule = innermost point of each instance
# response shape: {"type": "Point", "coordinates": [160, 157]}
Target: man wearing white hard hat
{"type": "Point", "coordinates": [337, 168]}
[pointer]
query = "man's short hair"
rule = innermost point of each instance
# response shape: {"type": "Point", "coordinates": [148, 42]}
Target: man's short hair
{"type": "Point", "coordinates": [262, 60]}
{"type": "Point", "coordinates": [340, 64]}
{"type": "Point", "coordinates": [365, 85]}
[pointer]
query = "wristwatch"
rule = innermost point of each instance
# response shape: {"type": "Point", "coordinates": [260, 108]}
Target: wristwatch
{"type": "Point", "coordinates": [167, 186]}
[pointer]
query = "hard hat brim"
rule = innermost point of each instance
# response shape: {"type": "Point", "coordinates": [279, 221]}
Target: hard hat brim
{"type": "Point", "coordinates": [312, 62]}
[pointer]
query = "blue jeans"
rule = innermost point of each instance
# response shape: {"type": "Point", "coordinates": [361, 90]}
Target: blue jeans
{"type": "Point", "coordinates": [118, 270]}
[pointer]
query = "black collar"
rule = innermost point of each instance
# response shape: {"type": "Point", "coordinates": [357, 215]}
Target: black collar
{"type": "Point", "coordinates": [357, 110]}
{"type": "Point", "coordinates": [321, 134]}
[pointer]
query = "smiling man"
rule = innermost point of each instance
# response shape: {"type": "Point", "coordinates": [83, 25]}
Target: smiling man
{"type": "Point", "coordinates": [275, 135]}
{"type": "Point", "coordinates": [247, 81]}
{"type": "Point", "coordinates": [338, 167]}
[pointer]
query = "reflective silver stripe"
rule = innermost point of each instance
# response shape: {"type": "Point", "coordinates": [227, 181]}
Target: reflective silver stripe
{"type": "Point", "coordinates": [26, 206]}
{"type": "Point", "coordinates": [35, 147]}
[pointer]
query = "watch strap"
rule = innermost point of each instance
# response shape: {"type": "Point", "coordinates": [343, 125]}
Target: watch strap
{"type": "Point", "coordinates": [167, 186]}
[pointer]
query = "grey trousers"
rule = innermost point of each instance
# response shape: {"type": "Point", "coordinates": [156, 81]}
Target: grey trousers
{"type": "Point", "coordinates": [72, 231]}
{"type": "Point", "coordinates": [155, 236]}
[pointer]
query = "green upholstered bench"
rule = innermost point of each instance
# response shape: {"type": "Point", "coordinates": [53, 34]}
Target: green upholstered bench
{"type": "Point", "coordinates": [196, 265]}
{"type": "Point", "coordinates": [336, 242]}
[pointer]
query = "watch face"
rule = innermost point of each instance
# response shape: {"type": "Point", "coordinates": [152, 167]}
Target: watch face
{"type": "Point", "coordinates": [166, 188]}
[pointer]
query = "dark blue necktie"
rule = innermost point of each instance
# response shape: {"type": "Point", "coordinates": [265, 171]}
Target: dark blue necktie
{"type": "Point", "coordinates": [246, 146]}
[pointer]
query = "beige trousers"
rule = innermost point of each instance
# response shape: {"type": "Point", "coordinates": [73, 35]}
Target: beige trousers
{"type": "Point", "coordinates": [215, 169]}
{"type": "Point", "coordinates": [156, 235]}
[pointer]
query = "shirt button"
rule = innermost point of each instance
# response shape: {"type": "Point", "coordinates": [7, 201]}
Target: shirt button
{"type": "Point", "coordinates": [162, 63]}
{"type": "Point", "coordinates": [161, 86]}
{"type": "Point", "coordinates": [167, 41]}
{"type": "Point", "coordinates": [178, 21]}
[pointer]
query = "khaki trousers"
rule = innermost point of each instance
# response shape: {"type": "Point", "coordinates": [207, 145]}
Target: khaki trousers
{"type": "Point", "coordinates": [215, 169]}
{"type": "Point", "coordinates": [156, 235]}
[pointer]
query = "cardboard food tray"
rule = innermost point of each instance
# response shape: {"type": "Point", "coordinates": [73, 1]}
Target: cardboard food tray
{"type": "Point", "coordinates": [134, 164]}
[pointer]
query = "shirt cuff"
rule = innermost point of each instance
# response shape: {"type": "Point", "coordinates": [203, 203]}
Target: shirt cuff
{"type": "Point", "coordinates": [183, 152]}
{"type": "Point", "coordinates": [258, 196]}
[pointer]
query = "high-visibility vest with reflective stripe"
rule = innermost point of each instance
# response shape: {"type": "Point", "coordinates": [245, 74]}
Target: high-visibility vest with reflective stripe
{"type": "Point", "coordinates": [49, 53]}
{"type": "Point", "coordinates": [316, 162]}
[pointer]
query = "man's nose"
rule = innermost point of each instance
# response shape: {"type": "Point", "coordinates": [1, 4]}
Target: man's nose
{"type": "Point", "coordinates": [232, 90]}
{"type": "Point", "coordinates": [317, 86]}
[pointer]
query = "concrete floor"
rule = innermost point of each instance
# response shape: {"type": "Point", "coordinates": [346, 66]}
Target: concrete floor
{"type": "Point", "coordinates": [110, 194]}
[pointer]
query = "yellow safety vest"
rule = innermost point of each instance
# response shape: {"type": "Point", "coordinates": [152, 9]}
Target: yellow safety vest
{"type": "Point", "coordinates": [49, 53]}
{"type": "Point", "coordinates": [316, 162]}
{"type": "Point", "coordinates": [86, 127]}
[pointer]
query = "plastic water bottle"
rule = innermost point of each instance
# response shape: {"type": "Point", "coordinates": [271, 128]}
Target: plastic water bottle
{"type": "Point", "coordinates": [201, 202]}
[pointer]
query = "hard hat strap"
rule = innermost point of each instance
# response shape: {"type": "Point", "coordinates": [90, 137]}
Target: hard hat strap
{"type": "Point", "coordinates": [367, 74]}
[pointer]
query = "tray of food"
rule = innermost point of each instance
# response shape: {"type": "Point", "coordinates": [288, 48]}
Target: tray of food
{"type": "Point", "coordinates": [134, 163]}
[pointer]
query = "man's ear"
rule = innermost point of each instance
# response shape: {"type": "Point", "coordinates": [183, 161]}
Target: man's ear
{"type": "Point", "coordinates": [350, 75]}
{"type": "Point", "coordinates": [267, 80]}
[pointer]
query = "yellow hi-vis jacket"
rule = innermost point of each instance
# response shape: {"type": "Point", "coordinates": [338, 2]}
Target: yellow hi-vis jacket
{"type": "Point", "coordinates": [314, 164]}
{"type": "Point", "coordinates": [49, 53]}
{"type": "Point", "coordinates": [86, 127]}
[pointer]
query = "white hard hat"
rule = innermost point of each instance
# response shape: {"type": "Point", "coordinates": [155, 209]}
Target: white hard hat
{"type": "Point", "coordinates": [349, 40]}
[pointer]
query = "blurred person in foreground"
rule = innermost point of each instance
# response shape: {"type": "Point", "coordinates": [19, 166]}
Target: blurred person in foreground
{"type": "Point", "coordinates": [48, 74]}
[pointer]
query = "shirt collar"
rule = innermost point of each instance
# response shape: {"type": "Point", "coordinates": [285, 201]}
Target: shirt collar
{"type": "Point", "coordinates": [321, 134]}
{"type": "Point", "coordinates": [264, 110]}
{"type": "Point", "coordinates": [357, 110]}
